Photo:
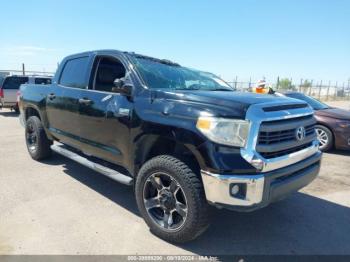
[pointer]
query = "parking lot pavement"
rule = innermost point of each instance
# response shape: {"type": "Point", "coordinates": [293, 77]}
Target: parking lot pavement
{"type": "Point", "coordinates": [60, 207]}
{"type": "Point", "coordinates": [341, 104]}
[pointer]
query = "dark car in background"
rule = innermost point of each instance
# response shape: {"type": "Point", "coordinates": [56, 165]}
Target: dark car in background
{"type": "Point", "coordinates": [9, 88]}
{"type": "Point", "coordinates": [333, 124]}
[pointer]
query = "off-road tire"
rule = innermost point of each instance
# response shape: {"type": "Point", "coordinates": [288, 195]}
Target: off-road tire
{"type": "Point", "coordinates": [42, 148]}
{"type": "Point", "coordinates": [197, 220]}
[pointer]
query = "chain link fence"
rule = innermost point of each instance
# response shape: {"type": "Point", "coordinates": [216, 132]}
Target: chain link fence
{"type": "Point", "coordinates": [325, 91]}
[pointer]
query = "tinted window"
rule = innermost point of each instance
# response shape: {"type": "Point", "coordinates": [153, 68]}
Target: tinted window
{"type": "Point", "coordinates": [14, 82]}
{"type": "Point", "coordinates": [315, 104]}
{"type": "Point", "coordinates": [74, 73]}
{"type": "Point", "coordinates": [42, 81]}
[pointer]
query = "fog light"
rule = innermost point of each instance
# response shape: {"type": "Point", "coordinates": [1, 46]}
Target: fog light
{"type": "Point", "coordinates": [238, 190]}
{"type": "Point", "coordinates": [234, 190]}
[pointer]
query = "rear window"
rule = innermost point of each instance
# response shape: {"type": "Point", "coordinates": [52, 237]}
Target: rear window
{"type": "Point", "coordinates": [75, 72]}
{"type": "Point", "coordinates": [42, 81]}
{"type": "Point", "coordinates": [14, 82]}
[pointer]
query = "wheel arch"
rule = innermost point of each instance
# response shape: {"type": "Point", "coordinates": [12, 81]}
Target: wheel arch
{"type": "Point", "coordinates": [32, 110]}
{"type": "Point", "coordinates": [152, 145]}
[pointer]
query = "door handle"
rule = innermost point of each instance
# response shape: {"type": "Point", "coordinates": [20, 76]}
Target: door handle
{"type": "Point", "coordinates": [52, 96]}
{"type": "Point", "coordinates": [85, 101]}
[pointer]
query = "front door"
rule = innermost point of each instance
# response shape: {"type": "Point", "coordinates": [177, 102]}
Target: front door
{"type": "Point", "coordinates": [105, 115]}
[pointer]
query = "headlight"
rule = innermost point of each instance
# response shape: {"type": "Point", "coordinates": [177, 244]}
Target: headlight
{"type": "Point", "coordinates": [232, 132]}
{"type": "Point", "coordinates": [343, 123]}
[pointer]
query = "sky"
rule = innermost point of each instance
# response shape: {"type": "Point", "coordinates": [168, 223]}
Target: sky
{"type": "Point", "coordinates": [308, 39]}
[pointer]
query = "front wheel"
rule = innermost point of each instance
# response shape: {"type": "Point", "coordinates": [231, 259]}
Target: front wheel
{"type": "Point", "coordinates": [325, 137]}
{"type": "Point", "coordinates": [171, 199]}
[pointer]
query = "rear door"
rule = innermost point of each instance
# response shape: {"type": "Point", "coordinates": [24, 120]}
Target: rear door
{"type": "Point", "coordinates": [62, 103]}
{"type": "Point", "coordinates": [10, 87]}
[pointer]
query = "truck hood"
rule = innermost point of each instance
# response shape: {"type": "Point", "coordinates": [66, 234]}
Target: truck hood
{"type": "Point", "coordinates": [225, 103]}
{"type": "Point", "coordinates": [334, 113]}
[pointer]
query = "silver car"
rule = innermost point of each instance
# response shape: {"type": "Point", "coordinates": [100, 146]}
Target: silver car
{"type": "Point", "coordinates": [10, 87]}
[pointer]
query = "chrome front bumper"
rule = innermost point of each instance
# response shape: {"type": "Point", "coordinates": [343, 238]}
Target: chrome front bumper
{"type": "Point", "coordinates": [262, 188]}
{"type": "Point", "coordinates": [217, 188]}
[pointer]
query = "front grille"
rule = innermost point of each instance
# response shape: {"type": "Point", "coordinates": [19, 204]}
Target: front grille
{"type": "Point", "coordinates": [278, 138]}
{"type": "Point", "coordinates": [269, 138]}
{"type": "Point", "coordinates": [285, 152]}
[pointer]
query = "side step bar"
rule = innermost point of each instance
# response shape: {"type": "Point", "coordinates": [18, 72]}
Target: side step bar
{"type": "Point", "coordinates": [119, 177]}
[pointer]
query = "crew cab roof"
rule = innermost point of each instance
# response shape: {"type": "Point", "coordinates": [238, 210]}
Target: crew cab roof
{"type": "Point", "coordinates": [111, 51]}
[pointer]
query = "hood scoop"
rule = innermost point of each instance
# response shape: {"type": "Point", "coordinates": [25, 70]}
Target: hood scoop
{"type": "Point", "coordinates": [284, 107]}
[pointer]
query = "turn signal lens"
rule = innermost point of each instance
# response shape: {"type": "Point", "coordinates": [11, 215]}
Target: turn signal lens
{"type": "Point", "coordinates": [203, 124]}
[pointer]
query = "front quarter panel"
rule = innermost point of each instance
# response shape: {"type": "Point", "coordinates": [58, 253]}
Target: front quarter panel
{"type": "Point", "coordinates": [176, 121]}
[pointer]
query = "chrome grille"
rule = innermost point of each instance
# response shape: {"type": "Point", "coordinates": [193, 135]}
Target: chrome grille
{"type": "Point", "coordinates": [268, 138]}
{"type": "Point", "coordinates": [285, 152]}
{"type": "Point", "coordinates": [278, 138]}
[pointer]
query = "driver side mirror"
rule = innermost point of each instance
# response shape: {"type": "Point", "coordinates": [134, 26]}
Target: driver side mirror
{"type": "Point", "coordinates": [122, 87]}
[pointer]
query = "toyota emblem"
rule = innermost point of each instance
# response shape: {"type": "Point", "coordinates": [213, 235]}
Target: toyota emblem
{"type": "Point", "coordinates": [300, 133]}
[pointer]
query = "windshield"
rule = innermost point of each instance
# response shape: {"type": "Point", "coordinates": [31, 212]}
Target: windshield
{"type": "Point", "coordinates": [163, 74]}
{"type": "Point", "coordinates": [315, 104]}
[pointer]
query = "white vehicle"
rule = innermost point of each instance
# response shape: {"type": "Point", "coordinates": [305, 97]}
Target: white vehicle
{"type": "Point", "coordinates": [10, 87]}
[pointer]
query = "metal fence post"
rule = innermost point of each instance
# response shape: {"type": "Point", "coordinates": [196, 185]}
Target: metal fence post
{"type": "Point", "coordinates": [329, 86]}
{"type": "Point", "coordinates": [335, 90]}
{"type": "Point", "coordinates": [312, 82]}
{"type": "Point", "coordinates": [319, 90]}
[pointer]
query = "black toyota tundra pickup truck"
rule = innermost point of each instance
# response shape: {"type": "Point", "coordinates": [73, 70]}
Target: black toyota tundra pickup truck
{"type": "Point", "coordinates": [184, 139]}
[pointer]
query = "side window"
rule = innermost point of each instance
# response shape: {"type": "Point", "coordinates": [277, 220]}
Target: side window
{"type": "Point", "coordinates": [42, 81]}
{"type": "Point", "coordinates": [74, 72]}
{"type": "Point", "coordinates": [107, 70]}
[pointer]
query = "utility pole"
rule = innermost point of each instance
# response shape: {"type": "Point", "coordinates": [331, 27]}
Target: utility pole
{"type": "Point", "coordinates": [23, 69]}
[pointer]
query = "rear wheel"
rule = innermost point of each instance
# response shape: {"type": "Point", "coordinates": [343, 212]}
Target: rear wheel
{"type": "Point", "coordinates": [38, 144]}
{"type": "Point", "coordinates": [325, 137]}
{"type": "Point", "coordinates": [171, 199]}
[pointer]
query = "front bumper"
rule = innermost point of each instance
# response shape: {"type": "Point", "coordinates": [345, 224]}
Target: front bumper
{"type": "Point", "coordinates": [342, 138]}
{"type": "Point", "coordinates": [262, 188]}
